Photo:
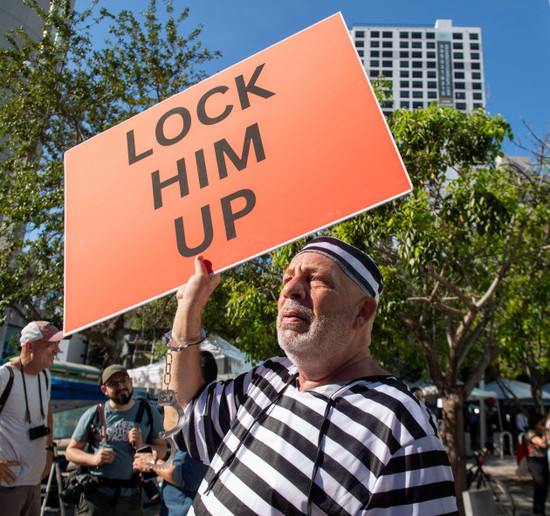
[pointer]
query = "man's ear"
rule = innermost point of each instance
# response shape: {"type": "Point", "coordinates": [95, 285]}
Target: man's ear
{"type": "Point", "coordinates": [367, 311]}
{"type": "Point", "coordinates": [103, 389]}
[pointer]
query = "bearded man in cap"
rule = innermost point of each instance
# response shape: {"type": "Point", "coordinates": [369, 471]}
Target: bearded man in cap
{"type": "Point", "coordinates": [324, 430]}
{"type": "Point", "coordinates": [105, 441]}
{"type": "Point", "coordinates": [26, 423]}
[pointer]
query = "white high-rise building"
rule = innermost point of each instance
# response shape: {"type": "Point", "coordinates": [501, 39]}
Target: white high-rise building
{"type": "Point", "coordinates": [425, 64]}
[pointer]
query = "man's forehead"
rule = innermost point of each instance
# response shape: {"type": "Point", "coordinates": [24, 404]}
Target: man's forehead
{"type": "Point", "coordinates": [318, 263]}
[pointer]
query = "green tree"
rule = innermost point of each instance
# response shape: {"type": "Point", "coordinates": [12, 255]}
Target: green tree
{"type": "Point", "coordinates": [56, 93]}
{"type": "Point", "coordinates": [523, 307]}
{"type": "Point", "coordinates": [448, 248]}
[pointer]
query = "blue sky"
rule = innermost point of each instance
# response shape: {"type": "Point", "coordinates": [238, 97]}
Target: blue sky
{"type": "Point", "coordinates": [516, 39]}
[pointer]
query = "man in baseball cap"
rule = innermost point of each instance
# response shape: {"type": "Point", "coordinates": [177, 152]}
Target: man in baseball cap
{"type": "Point", "coordinates": [125, 425]}
{"type": "Point", "coordinates": [40, 330]}
{"type": "Point", "coordinates": [26, 425]}
{"type": "Point", "coordinates": [111, 370]}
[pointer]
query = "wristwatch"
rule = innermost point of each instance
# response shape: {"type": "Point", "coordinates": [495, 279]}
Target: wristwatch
{"type": "Point", "coordinates": [177, 345]}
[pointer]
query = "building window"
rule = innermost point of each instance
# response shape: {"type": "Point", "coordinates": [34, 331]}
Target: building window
{"type": "Point", "coordinates": [403, 35]}
{"type": "Point", "coordinates": [416, 44]}
{"type": "Point", "coordinates": [461, 95]}
{"type": "Point", "coordinates": [386, 34]}
{"type": "Point", "coordinates": [374, 74]}
{"type": "Point", "coordinates": [474, 35]}
{"type": "Point", "coordinates": [477, 96]}
{"type": "Point", "coordinates": [457, 35]}
{"type": "Point", "coordinates": [432, 85]}
{"type": "Point", "coordinates": [461, 106]}
{"type": "Point", "coordinates": [404, 53]}
{"type": "Point", "coordinates": [430, 74]}
{"type": "Point", "coordinates": [460, 75]}
{"type": "Point", "coordinates": [359, 33]}
{"type": "Point", "coordinates": [430, 55]}
{"type": "Point", "coordinates": [417, 55]}
{"type": "Point", "coordinates": [430, 44]}
{"type": "Point", "coordinates": [404, 64]}
{"type": "Point", "coordinates": [387, 73]}
{"type": "Point", "coordinates": [458, 55]}
{"type": "Point", "coordinates": [417, 74]}
{"type": "Point", "coordinates": [458, 65]}
{"type": "Point", "coordinates": [374, 63]}
{"type": "Point", "coordinates": [404, 73]}
{"type": "Point", "coordinates": [477, 105]}
{"type": "Point", "coordinates": [417, 64]}
{"type": "Point", "coordinates": [404, 84]}
{"type": "Point", "coordinates": [375, 53]}
{"type": "Point", "coordinates": [476, 66]}
{"type": "Point", "coordinates": [418, 105]}
{"type": "Point", "coordinates": [387, 44]}
{"type": "Point", "coordinates": [405, 94]}
{"type": "Point", "coordinates": [430, 35]}
{"type": "Point", "coordinates": [387, 64]}
{"type": "Point", "coordinates": [460, 86]}
{"type": "Point", "coordinates": [387, 53]}
{"type": "Point", "coordinates": [359, 43]}
{"type": "Point", "coordinates": [403, 44]}
{"type": "Point", "coordinates": [375, 44]}
{"type": "Point", "coordinates": [375, 34]}
{"type": "Point", "coordinates": [432, 94]}
{"type": "Point", "coordinates": [474, 55]}
{"type": "Point", "coordinates": [476, 76]}
{"type": "Point", "coordinates": [404, 104]}
{"type": "Point", "coordinates": [361, 53]}
{"type": "Point", "coordinates": [416, 35]}
{"type": "Point", "coordinates": [476, 86]}
{"type": "Point", "coordinates": [431, 64]}
{"type": "Point", "coordinates": [458, 46]}
{"type": "Point", "coordinates": [474, 46]}
{"type": "Point", "coordinates": [417, 84]}
{"type": "Point", "coordinates": [417, 94]}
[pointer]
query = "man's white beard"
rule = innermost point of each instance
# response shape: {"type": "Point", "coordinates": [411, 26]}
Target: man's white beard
{"type": "Point", "coordinates": [324, 339]}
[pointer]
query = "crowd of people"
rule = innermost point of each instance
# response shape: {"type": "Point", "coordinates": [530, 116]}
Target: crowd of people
{"type": "Point", "coordinates": [321, 430]}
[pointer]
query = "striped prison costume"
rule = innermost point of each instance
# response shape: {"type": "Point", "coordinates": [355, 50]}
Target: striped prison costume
{"type": "Point", "coordinates": [361, 447]}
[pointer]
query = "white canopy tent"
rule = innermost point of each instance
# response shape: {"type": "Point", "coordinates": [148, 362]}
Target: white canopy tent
{"type": "Point", "coordinates": [231, 362]}
{"type": "Point", "coordinates": [476, 394]}
{"type": "Point", "coordinates": [516, 389]}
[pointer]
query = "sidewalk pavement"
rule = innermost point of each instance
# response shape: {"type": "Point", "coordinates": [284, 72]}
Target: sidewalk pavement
{"type": "Point", "coordinates": [520, 487]}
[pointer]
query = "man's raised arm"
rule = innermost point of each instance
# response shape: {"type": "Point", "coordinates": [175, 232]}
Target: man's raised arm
{"type": "Point", "coordinates": [185, 374]}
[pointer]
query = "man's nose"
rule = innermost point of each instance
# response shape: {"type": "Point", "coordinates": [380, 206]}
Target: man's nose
{"type": "Point", "coordinates": [295, 288]}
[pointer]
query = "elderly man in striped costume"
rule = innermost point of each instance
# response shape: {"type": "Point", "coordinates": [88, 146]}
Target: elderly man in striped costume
{"type": "Point", "coordinates": [324, 430]}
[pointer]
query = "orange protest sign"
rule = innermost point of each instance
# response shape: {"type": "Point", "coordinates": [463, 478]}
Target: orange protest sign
{"type": "Point", "coordinates": [288, 141]}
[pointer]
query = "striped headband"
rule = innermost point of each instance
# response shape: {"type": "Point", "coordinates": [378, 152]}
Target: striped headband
{"type": "Point", "coordinates": [359, 266]}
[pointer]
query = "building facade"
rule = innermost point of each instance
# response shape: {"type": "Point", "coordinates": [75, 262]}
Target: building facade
{"type": "Point", "coordinates": [425, 64]}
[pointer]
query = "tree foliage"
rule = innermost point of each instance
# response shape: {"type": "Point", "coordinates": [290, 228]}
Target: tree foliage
{"type": "Point", "coordinates": [523, 305]}
{"type": "Point", "coordinates": [450, 249]}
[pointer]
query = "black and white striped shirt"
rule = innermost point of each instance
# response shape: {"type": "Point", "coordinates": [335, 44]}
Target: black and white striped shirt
{"type": "Point", "coordinates": [365, 446]}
